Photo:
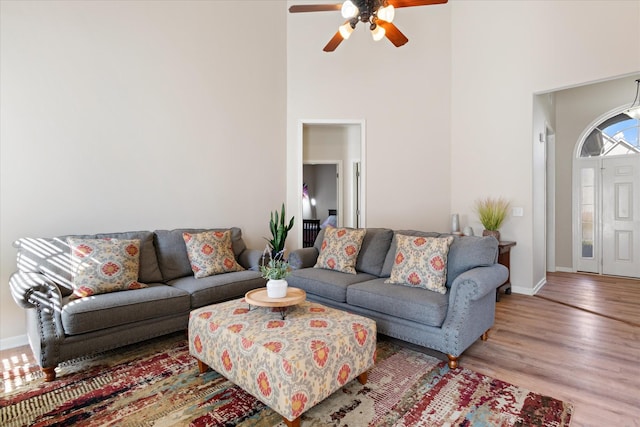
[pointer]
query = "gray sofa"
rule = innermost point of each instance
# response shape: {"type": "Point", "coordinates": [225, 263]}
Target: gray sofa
{"type": "Point", "coordinates": [448, 323]}
{"type": "Point", "coordinates": [61, 329]}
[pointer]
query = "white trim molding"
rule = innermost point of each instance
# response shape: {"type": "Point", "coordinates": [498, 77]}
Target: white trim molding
{"type": "Point", "coordinates": [13, 342]}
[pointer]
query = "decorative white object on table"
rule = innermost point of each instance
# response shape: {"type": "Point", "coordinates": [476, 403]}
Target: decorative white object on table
{"type": "Point", "coordinates": [277, 288]}
{"type": "Point", "coordinates": [455, 223]}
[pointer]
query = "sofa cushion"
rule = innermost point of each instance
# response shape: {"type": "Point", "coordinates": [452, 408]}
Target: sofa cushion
{"type": "Point", "coordinates": [421, 262]}
{"type": "Point", "coordinates": [373, 251]}
{"type": "Point", "coordinates": [210, 252]}
{"type": "Point", "coordinates": [122, 308]}
{"type": "Point", "coordinates": [325, 283]}
{"type": "Point", "coordinates": [413, 304]}
{"type": "Point", "coordinates": [172, 251]}
{"type": "Point", "coordinates": [149, 269]}
{"type": "Point", "coordinates": [340, 249]}
{"type": "Point", "coordinates": [220, 287]}
{"type": "Point", "coordinates": [469, 252]}
{"type": "Point", "coordinates": [104, 265]}
{"type": "Point", "coordinates": [52, 257]}
{"type": "Point", "coordinates": [391, 254]}
{"type": "Point", "coordinates": [319, 239]}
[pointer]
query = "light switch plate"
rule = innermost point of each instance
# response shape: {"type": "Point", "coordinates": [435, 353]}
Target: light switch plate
{"type": "Point", "coordinates": [517, 211]}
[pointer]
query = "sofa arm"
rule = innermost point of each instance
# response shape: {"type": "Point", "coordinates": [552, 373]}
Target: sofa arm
{"type": "Point", "coordinates": [251, 259]}
{"type": "Point", "coordinates": [42, 297]}
{"type": "Point", "coordinates": [34, 289]}
{"type": "Point", "coordinates": [472, 303]}
{"type": "Point", "coordinates": [482, 279]}
{"type": "Point", "coordinates": [303, 258]}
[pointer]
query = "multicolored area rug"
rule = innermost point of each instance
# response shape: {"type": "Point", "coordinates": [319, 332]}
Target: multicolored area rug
{"type": "Point", "coordinates": [157, 384]}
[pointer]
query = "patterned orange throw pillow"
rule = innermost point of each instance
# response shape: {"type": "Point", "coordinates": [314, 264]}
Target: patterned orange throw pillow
{"type": "Point", "coordinates": [340, 249]}
{"type": "Point", "coordinates": [211, 252]}
{"type": "Point", "coordinates": [421, 262]}
{"type": "Point", "coordinates": [104, 265]}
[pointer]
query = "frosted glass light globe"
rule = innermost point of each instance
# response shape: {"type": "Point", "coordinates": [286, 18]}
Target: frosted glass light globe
{"type": "Point", "coordinates": [349, 10]}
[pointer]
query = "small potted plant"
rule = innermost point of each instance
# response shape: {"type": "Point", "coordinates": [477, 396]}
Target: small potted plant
{"type": "Point", "coordinates": [492, 213]}
{"type": "Point", "coordinates": [275, 271]}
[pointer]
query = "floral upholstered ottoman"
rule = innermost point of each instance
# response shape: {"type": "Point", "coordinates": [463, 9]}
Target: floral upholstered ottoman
{"type": "Point", "coordinates": [290, 365]}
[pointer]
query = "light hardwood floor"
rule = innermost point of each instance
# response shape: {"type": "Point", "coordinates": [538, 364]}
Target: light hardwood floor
{"type": "Point", "coordinates": [577, 340]}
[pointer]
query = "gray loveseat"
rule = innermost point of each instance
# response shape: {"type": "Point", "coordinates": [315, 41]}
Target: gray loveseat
{"type": "Point", "coordinates": [61, 329]}
{"type": "Point", "coordinates": [448, 323]}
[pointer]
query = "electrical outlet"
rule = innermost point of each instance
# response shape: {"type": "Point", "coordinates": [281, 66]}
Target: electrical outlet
{"type": "Point", "coordinates": [517, 211]}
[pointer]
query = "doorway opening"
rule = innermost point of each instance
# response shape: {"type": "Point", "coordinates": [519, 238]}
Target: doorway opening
{"type": "Point", "coordinates": [332, 171]}
{"type": "Point", "coordinates": [321, 198]}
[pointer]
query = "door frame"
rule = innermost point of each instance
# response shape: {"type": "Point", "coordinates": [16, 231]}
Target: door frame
{"type": "Point", "coordinates": [550, 199]}
{"type": "Point", "coordinates": [299, 161]}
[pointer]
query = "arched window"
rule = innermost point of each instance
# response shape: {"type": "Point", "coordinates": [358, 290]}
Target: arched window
{"type": "Point", "coordinates": [617, 135]}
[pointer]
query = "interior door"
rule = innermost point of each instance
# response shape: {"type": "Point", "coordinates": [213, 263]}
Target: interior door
{"type": "Point", "coordinates": [621, 216]}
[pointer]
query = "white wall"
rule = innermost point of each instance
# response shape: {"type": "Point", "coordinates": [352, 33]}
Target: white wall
{"type": "Point", "coordinates": [502, 54]}
{"type": "Point", "coordinates": [138, 115]}
{"type": "Point", "coordinates": [403, 94]}
{"type": "Point", "coordinates": [543, 120]}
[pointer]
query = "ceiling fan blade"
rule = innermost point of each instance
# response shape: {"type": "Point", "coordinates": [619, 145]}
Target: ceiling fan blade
{"type": "Point", "coordinates": [409, 3]}
{"type": "Point", "coordinates": [392, 32]}
{"type": "Point", "coordinates": [314, 8]}
{"type": "Point", "coordinates": [334, 42]}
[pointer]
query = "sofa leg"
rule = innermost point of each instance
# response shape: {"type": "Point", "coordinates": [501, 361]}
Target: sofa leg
{"type": "Point", "coordinates": [49, 374]}
{"type": "Point", "coordinates": [485, 336]}
{"type": "Point", "coordinates": [453, 361]}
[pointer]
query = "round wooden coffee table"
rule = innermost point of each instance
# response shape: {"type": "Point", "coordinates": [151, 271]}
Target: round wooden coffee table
{"type": "Point", "coordinates": [259, 298]}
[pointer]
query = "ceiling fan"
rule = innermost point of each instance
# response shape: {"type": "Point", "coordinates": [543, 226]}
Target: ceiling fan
{"type": "Point", "coordinates": [377, 13]}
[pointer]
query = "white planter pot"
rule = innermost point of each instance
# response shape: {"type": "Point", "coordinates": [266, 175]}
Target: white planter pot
{"type": "Point", "coordinates": [277, 288]}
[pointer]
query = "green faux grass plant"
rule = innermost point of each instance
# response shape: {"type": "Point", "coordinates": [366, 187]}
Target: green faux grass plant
{"type": "Point", "coordinates": [492, 212]}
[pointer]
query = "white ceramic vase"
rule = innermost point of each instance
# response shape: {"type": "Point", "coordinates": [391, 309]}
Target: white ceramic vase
{"type": "Point", "coordinates": [455, 223]}
{"type": "Point", "coordinates": [276, 288]}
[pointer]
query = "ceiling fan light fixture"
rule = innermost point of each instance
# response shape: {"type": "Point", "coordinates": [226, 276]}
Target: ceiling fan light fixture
{"type": "Point", "coordinates": [346, 30]}
{"type": "Point", "coordinates": [378, 33]}
{"type": "Point", "coordinates": [349, 10]}
{"type": "Point", "coordinates": [386, 13]}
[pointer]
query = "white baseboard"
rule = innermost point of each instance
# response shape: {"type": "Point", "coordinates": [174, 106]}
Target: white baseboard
{"type": "Point", "coordinates": [13, 342]}
{"type": "Point", "coordinates": [540, 284]}
{"type": "Point", "coordinates": [529, 291]}
{"type": "Point", "coordinates": [521, 290]}
{"type": "Point", "coordinates": [565, 269]}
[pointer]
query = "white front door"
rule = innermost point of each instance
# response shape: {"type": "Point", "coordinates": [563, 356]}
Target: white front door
{"type": "Point", "coordinates": [621, 216]}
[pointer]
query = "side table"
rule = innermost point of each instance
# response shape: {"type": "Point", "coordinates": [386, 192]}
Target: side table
{"type": "Point", "coordinates": [504, 258]}
{"type": "Point", "coordinates": [259, 298]}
